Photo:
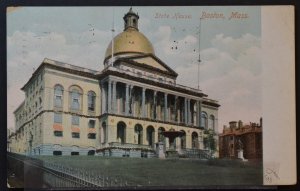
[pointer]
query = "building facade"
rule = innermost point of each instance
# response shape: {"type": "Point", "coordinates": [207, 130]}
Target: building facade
{"type": "Point", "coordinates": [241, 137]}
{"type": "Point", "coordinates": [119, 111]}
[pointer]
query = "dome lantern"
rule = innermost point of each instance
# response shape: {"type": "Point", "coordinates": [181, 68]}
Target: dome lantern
{"type": "Point", "coordinates": [131, 20]}
{"type": "Point", "coordinates": [130, 41]}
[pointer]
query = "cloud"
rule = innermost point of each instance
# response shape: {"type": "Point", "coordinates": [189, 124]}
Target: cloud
{"type": "Point", "coordinates": [26, 50]}
{"type": "Point", "coordinates": [230, 75]}
{"type": "Point", "coordinates": [144, 24]}
{"type": "Point", "coordinates": [235, 46]}
{"type": "Point", "coordinates": [177, 51]}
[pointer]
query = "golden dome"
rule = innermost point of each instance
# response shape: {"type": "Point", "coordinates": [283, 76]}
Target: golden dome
{"type": "Point", "coordinates": [130, 41]}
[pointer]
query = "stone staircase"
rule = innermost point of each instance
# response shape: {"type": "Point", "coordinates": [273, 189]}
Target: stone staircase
{"type": "Point", "coordinates": [195, 153]}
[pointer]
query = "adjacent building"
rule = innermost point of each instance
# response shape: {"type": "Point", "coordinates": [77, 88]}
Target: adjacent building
{"type": "Point", "coordinates": [119, 111]}
{"type": "Point", "coordinates": [241, 137]}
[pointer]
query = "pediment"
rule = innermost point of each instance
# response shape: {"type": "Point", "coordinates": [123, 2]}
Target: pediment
{"type": "Point", "coordinates": [151, 61]}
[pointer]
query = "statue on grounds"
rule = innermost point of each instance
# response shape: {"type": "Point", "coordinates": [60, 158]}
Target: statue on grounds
{"type": "Point", "coordinates": [240, 149]}
{"type": "Point", "coordinates": [240, 144]}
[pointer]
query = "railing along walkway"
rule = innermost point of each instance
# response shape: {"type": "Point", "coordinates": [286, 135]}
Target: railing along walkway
{"type": "Point", "coordinates": [71, 177]}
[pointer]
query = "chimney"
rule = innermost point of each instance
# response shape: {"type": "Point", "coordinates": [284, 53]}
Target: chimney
{"type": "Point", "coordinates": [232, 124]}
{"type": "Point", "coordinates": [240, 124]}
{"type": "Point", "coordinates": [260, 122]}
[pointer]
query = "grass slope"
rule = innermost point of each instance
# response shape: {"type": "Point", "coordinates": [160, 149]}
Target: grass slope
{"type": "Point", "coordinates": [156, 172]}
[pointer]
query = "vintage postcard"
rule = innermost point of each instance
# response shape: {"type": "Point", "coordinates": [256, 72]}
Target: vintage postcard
{"type": "Point", "coordinates": [150, 97]}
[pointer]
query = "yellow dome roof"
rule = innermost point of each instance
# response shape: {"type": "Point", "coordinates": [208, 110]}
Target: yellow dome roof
{"type": "Point", "coordinates": [130, 41]}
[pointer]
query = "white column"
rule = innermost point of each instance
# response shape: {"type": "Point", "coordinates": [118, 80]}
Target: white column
{"type": "Point", "coordinates": [127, 100]}
{"type": "Point", "coordinates": [200, 111]}
{"type": "Point", "coordinates": [189, 111]}
{"type": "Point", "coordinates": [109, 97]}
{"type": "Point", "coordinates": [167, 143]}
{"type": "Point", "coordinates": [185, 111]}
{"type": "Point", "coordinates": [132, 101]}
{"type": "Point", "coordinates": [114, 98]}
{"type": "Point", "coordinates": [143, 102]}
{"type": "Point", "coordinates": [166, 107]}
{"type": "Point", "coordinates": [154, 105]}
{"type": "Point", "coordinates": [103, 103]}
{"type": "Point", "coordinates": [197, 114]}
{"type": "Point", "coordinates": [175, 109]}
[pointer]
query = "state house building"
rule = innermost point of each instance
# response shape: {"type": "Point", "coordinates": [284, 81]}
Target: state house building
{"type": "Point", "coordinates": [119, 111]}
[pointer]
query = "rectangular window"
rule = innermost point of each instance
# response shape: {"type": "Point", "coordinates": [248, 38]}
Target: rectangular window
{"type": "Point", "coordinates": [92, 123]}
{"type": "Point", "coordinates": [75, 120]}
{"type": "Point", "coordinates": [75, 135]}
{"type": "Point", "coordinates": [57, 118]}
{"type": "Point", "coordinates": [58, 133]}
{"type": "Point", "coordinates": [92, 136]}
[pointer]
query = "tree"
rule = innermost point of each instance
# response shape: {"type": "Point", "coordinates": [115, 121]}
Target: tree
{"type": "Point", "coordinates": [210, 142]}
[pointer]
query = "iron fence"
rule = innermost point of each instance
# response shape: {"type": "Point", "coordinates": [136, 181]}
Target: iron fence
{"type": "Point", "coordinates": [58, 176]}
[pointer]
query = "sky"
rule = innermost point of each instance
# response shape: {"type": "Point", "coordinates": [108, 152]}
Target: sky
{"type": "Point", "coordinates": [230, 48]}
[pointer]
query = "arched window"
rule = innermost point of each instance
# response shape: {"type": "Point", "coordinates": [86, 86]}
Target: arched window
{"type": "Point", "coordinates": [212, 122]}
{"type": "Point", "coordinates": [121, 132]}
{"type": "Point", "coordinates": [58, 95]}
{"type": "Point", "coordinates": [204, 120]}
{"type": "Point", "coordinates": [75, 98]}
{"type": "Point", "coordinates": [195, 142]}
{"type": "Point", "coordinates": [91, 100]}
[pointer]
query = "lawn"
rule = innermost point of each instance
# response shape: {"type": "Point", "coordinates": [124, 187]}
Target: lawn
{"type": "Point", "coordinates": [158, 172]}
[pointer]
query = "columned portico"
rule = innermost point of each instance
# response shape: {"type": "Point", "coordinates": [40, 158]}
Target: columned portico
{"type": "Point", "coordinates": [163, 106]}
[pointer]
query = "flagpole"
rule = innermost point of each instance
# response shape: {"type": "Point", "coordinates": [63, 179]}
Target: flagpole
{"type": "Point", "coordinates": [112, 41]}
{"type": "Point", "coordinates": [199, 60]}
